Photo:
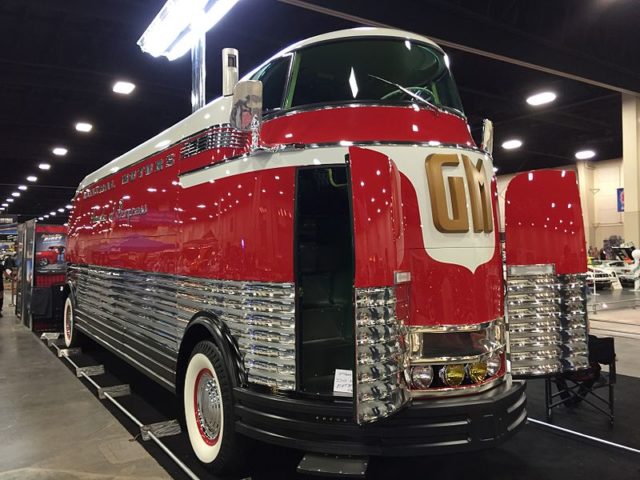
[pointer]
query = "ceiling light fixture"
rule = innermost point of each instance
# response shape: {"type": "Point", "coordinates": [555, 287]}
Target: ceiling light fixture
{"type": "Point", "coordinates": [10, 200]}
{"type": "Point", "coordinates": [46, 216]}
{"type": "Point", "coordinates": [512, 144]}
{"type": "Point", "coordinates": [68, 207]}
{"type": "Point", "coordinates": [495, 169]}
{"type": "Point", "coordinates": [44, 166]}
{"type": "Point", "coordinates": [53, 214]}
{"type": "Point", "coordinates": [32, 178]}
{"type": "Point", "coordinates": [40, 218]}
{"type": "Point", "coordinates": [180, 24]}
{"type": "Point", "coordinates": [22, 187]}
{"type": "Point", "coordinates": [60, 151]}
{"type": "Point", "coordinates": [123, 88]}
{"type": "Point", "coordinates": [585, 154]}
{"type": "Point", "coordinates": [541, 98]}
{"type": "Point", "coordinates": [61, 210]}
{"type": "Point", "coordinates": [15, 194]}
{"type": "Point", "coordinates": [5, 204]}
{"type": "Point", "coordinates": [84, 127]}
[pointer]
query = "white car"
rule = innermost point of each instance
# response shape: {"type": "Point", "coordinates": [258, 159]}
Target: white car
{"type": "Point", "coordinates": [602, 277]}
{"type": "Point", "coordinates": [618, 266]}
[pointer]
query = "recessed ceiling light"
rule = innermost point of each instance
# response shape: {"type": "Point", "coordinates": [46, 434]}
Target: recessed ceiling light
{"type": "Point", "coordinates": [53, 214]}
{"type": "Point", "coordinates": [32, 178]}
{"type": "Point", "coordinates": [15, 194]}
{"type": "Point", "coordinates": [61, 210]}
{"type": "Point", "coordinates": [22, 187]}
{"type": "Point", "coordinates": [84, 127]}
{"type": "Point", "coordinates": [60, 151]}
{"type": "Point", "coordinates": [40, 218]}
{"type": "Point", "coordinates": [541, 98]}
{"type": "Point", "coordinates": [495, 169]}
{"type": "Point", "coordinates": [123, 88]}
{"type": "Point", "coordinates": [585, 154]}
{"type": "Point", "coordinates": [5, 204]}
{"type": "Point", "coordinates": [68, 207]}
{"type": "Point", "coordinates": [512, 144]}
{"type": "Point", "coordinates": [10, 200]}
{"type": "Point", "coordinates": [46, 216]}
{"type": "Point", "coordinates": [44, 166]}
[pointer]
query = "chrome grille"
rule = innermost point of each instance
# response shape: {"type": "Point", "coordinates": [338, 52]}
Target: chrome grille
{"type": "Point", "coordinates": [575, 338]}
{"type": "Point", "coordinates": [218, 136]}
{"type": "Point", "coordinates": [380, 354]}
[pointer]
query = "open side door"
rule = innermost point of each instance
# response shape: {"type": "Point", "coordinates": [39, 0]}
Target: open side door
{"type": "Point", "coordinates": [381, 305]}
{"type": "Point", "coordinates": [545, 268]}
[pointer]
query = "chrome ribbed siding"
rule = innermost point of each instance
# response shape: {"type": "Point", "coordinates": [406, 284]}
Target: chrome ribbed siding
{"type": "Point", "coordinates": [533, 306]}
{"type": "Point", "coordinates": [575, 335]}
{"type": "Point", "coordinates": [218, 136]}
{"type": "Point", "coordinates": [143, 316]}
{"type": "Point", "coordinates": [547, 321]}
{"type": "Point", "coordinates": [381, 355]}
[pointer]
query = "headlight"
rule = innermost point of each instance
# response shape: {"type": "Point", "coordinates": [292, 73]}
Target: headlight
{"type": "Point", "coordinates": [477, 371]}
{"type": "Point", "coordinates": [452, 375]}
{"type": "Point", "coordinates": [493, 364]}
{"type": "Point", "coordinates": [421, 377]}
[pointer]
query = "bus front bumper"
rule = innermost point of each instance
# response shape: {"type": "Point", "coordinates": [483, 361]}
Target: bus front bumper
{"type": "Point", "coordinates": [428, 426]}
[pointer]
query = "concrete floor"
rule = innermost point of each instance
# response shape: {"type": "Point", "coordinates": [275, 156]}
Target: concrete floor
{"type": "Point", "coordinates": [51, 426]}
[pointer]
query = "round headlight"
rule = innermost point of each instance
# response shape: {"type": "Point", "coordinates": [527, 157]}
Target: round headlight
{"type": "Point", "coordinates": [421, 377]}
{"type": "Point", "coordinates": [452, 375]}
{"type": "Point", "coordinates": [477, 371]}
{"type": "Point", "coordinates": [493, 364]}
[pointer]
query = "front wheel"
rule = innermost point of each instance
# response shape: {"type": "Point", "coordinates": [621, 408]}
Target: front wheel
{"type": "Point", "coordinates": [208, 411]}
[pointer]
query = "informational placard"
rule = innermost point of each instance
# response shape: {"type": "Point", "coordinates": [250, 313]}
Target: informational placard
{"type": "Point", "coordinates": [51, 243]}
{"type": "Point", "coordinates": [343, 382]}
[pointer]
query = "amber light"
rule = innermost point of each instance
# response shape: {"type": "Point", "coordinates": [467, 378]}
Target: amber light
{"type": "Point", "coordinates": [477, 371]}
{"type": "Point", "coordinates": [452, 375]}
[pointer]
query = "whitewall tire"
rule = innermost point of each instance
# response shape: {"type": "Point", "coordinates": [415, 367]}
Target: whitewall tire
{"type": "Point", "coordinates": [208, 410]}
{"type": "Point", "coordinates": [68, 326]}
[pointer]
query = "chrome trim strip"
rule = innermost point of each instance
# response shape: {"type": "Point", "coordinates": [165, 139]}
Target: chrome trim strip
{"type": "Point", "coordinates": [216, 136]}
{"type": "Point", "coordinates": [157, 308]}
{"type": "Point", "coordinates": [473, 327]}
{"type": "Point", "coordinates": [444, 392]}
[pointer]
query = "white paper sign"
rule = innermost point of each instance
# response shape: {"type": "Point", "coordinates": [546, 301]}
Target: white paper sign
{"type": "Point", "coordinates": [343, 381]}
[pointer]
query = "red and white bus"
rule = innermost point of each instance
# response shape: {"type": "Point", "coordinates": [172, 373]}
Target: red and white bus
{"type": "Point", "coordinates": [315, 263]}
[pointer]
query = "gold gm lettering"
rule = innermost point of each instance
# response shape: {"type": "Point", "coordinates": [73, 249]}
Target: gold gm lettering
{"type": "Point", "coordinates": [479, 194]}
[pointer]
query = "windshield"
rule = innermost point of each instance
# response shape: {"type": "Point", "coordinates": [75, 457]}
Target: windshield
{"type": "Point", "coordinates": [372, 70]}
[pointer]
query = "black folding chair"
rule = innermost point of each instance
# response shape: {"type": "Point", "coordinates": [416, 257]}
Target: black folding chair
{"type": "Point", "coordinates": [573, 388]}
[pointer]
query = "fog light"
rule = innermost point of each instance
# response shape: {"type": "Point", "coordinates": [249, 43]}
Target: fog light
{"type": "Point", "coordinates": [493, 364]}
{"type": "Point", "coordinates": [477, 371]}
{"type": "Point", "coordinates": [452, 375]}
{"type": "Point", "coordinates": [421, 377]}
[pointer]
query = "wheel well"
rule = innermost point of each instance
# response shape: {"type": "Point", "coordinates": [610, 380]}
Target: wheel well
{"type": "Point", "coordinates": [193, 335]}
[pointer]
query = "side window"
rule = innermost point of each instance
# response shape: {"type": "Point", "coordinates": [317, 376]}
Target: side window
{"type": "Point", "coordinates": [274, 79]}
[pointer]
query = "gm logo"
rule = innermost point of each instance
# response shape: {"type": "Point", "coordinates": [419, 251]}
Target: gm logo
{"type": "Point", "coordinates": [479, 194]}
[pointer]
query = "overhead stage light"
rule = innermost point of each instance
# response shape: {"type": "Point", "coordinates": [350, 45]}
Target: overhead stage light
{"type": "Point", "coordinates": [585, 154]}
{"type": "Point", "coordinates": [123, 88]}
{"type": "Point", "coordinates": [179, 25]}
{"type": "Point", "coordinates": [512, 144]}
{"type": "Point", "coordinates": [541, 98]}
{"type": "Point", "coordinates": [60, 151]}
{"type": "Point", "coordinates": [44, 166]}
{"type": "Point", "coordinates": [32, 178]}
{"type": "Point", "coordinates": [84, 127]}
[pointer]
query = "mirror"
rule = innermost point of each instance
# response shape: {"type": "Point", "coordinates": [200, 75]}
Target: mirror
{"type": "Point", "coordinates": [246, 112]}
{"type": "Point", "coordinates": [487, 136]}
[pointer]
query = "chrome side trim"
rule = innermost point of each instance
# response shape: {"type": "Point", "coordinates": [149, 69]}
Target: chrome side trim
{"type": "Point", "coordinates": [156, 308]}
{"type": "Point", "coordinates": [474, 327]}
{"type": "Point", "coordinates": [216, 136]}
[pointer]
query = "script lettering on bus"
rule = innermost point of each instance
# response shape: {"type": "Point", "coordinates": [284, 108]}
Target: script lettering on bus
{"type": "Point", "coordinates": [150, 168]}
{"type": "Point", "coordinates": [104, 187]}
{"type": "Point", "coordinates": [479, 195]}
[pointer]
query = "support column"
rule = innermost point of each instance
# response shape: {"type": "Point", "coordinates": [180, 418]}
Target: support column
{"type": "Point", "coordinates": [631, 167]}
{"type": "Point", "coordinates": [587, 193]}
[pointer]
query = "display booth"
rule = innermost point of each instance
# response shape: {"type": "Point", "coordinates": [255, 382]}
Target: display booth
{"type": "Point", "coordinates": [41, 275]}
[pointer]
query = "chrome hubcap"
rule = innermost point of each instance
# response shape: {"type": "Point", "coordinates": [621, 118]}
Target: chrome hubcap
{"type": "Point", "coordinates": [209, 406]}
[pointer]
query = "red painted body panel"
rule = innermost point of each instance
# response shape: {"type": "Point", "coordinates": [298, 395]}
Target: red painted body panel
{"type": "Point", "coordinates": [367, 124]}
{"type": "Point", "coordinates": [390, 239]}
{"type": "Point", "coordinates": [543, 221]}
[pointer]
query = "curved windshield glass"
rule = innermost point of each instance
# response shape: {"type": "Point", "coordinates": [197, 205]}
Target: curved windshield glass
{"type": "Point", "coordinates": [372, 70]}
